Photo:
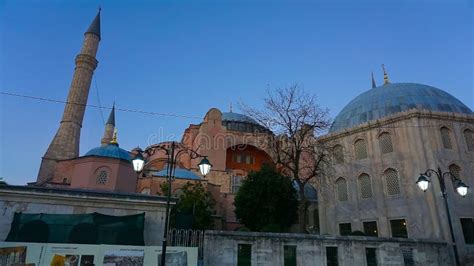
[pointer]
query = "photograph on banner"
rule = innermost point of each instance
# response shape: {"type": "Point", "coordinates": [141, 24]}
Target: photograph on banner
{"type": "Point", "coordinates": [18, 253]}
{"type": "Point", "coordinates": [117, 255]}
{"type": "Point", "coordinates": [72, 255]}
{"type": "Point", "coordinates": [175, 256]}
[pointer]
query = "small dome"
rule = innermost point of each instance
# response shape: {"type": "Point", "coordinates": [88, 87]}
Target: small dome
{"type": "Point", "coordinates": [110, 151]}
{"type": "Point", "coordinates": [309, 191]}
{"type": "Point", "coordinates": [178, 173]}
{"type": "Point", "coordinates": [393, 98]}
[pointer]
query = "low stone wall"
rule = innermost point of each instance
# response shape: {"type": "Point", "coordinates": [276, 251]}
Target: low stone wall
{"type": "Point", "coordinates": [221, 249]}
{"type": "Point", "coordinates": [75, 201]}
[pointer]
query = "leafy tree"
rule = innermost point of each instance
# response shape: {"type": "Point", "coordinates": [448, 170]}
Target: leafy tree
{"type": "Point", "coordinates": [195, 205]}
{"type": "Point", "coordinates": [296, 119]}
{"type": "Point", "coordinates": [266, 201]}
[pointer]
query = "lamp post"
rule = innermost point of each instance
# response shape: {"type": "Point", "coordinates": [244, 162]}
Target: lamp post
{"type": "Point", "coordinates": [173, 151]}
{"type": "Point", "coordinates": [423, 183]}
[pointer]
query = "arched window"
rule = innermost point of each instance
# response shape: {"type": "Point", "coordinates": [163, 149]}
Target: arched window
{"type": "Point", "coordinates": [385, 142]}
{"type": "Point", "coordinates": [455, 170]}
{"type": "Point", "coordinates": [101, 176]}
{"type": "Point", "coordinates": [469, 138]}
{"type": "Point", "coordinates": [365, 186]}
{"type": "Point", "coordinates": [341, 187]}
{"type": "Point", "coordinates": [446, 138]}
{"type": "Point", "coordinates": [338, 154]}
{"type": "Point", "coordinates": [360, 147]}
{"type": "Point", "coordinates": [392, 183]}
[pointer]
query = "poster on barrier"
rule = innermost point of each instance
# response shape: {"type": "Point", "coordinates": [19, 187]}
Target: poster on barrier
{"type": "Point", "coordinates": [175, 256]}
{"type": "Point", "coordinates": [18, 253]}
{"type": "Point", "coordinates": [72, 255]}
{"type": "Point", "coordinates": [36, 254]}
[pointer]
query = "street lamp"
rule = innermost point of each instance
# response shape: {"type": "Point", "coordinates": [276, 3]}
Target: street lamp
{"type": "Point", "coordinates": [173, 151]}
{"type": "Point", "coordinates": [423, 183]}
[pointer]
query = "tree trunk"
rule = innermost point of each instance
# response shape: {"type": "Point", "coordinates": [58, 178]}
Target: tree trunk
{"type": "Point", "coordinates": [302, 209]}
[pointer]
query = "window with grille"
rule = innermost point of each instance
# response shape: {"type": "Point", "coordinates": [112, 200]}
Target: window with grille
{"type": "Point", "coordinates": [289, 255]}
{"type": "Point", "coordinates": [399, 228]}
{"type": "Point", "coordinates": [392, 182]}
{"type": "Point", "coordinates": [385, 142]}
{"type": "Point", "coordinates": [407, 254]}
{"type": "Point", "coordinates": [338, 154]}
{"type": "Point", "coordinates": [365, 186]}
{"type": "Point", "coordinates": [370, 228]}
{"type": "Point", "coordinates": [467, 225]}
{"type": "Point", "coordinates": [446, 138]}
{"type": "Point", "coordinates": [101, 177]}
{"type": "Point", "coordinates": [455, 170]}
{"type": "Point", "coordinates": [341, 186]}
{"type": "Point", "coordinates": [236, 183]}
{"type": "Point", "coordinates": [360, 147]}
{"type": "Point", "coordinates": [244, 254]}
{"type": "Point", "coordinates": [332, 258]}
{"type": "Point", "coordinates": [345, 229]}
{"type": "Point", "coordinates": [469, 138]}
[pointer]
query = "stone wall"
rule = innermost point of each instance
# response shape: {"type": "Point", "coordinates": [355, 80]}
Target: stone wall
{"type": "Point", "coordinates": [73, 201]}
{"type": "Point", "coordinates": [221, 248]}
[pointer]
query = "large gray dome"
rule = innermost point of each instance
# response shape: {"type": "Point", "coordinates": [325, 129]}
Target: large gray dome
{"type": "Point", "coordinates": [393, 98]}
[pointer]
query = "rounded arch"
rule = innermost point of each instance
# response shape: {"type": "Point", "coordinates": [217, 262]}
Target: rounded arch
{"type": "Point", "coordinates": [365, 185]}
{"type": "Point", "coordinates": [391, 181]}
{"type": "Point", "coordinates": [445, 133]}
{"type": "Point", "coordinates": [247, 157]}
{"type": "Point", "coordinates": [338, 153]}
{"type": "Point", "coordinates": [83, 233]}
{"type": "Point", "coordinates": [360, 149]}
{"type": "Point", "coordinates": [385, 142]}
{"type": "Point", "coordinates": [35, 231]}
{"type": "Point", "coordinates": [468, 135]}
{"type": "Point", "coordinates": [341, 189]}
{"type": "Point", "coordinates": [455, 170]}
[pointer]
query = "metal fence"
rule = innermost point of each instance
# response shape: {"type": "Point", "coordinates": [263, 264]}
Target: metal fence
{"type": "Point", "coordinates": [187, 238]}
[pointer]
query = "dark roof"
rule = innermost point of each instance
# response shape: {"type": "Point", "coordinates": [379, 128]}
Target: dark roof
{"type": "Point", "coordinates": [94, 28]}
{"type": "Point", "coordinates": [392, 98]}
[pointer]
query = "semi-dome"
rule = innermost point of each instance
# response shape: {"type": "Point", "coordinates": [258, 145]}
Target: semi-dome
{"type": "Point", "coordinates": [110, 151]}
{"type": "Point", "coordinates": [392, 98]}
{"type": "Point", "coordinates": [178, 173]}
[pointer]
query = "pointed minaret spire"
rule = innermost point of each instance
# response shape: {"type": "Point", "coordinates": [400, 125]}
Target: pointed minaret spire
{"type": "Point", "coordinates": [373, 81]}
{"type": "Point", "coordinates": [385, 76]}
{"type": "Point", "coordinates": [94, 28]}
{"type": "Point", "coordinates": [65, 144]}
{"type": "Point", "coordinates": [230, 107]}
{"type": "Point", "coordinates": [109, 128]}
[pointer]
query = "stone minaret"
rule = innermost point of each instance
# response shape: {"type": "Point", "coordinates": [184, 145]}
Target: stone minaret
{"type": "Point", "coordinates": [65, 144]}
{"type": "Point", "coordinates": [109, 128]}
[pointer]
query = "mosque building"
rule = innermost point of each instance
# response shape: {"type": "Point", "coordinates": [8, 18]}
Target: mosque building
{"type": "Point", "coordinates": [380, 143]}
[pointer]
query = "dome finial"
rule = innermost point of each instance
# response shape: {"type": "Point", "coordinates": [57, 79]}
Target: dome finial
{"type": "Point", "coordinates": [114, 139]}
{"type": "Point", "coordinates": [385, 75]}
{"type": "Point", "coordinates": [373, 81]}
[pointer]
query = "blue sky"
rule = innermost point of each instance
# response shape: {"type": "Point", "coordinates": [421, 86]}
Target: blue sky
{"type": "Point", "coordinates": [184, 57]}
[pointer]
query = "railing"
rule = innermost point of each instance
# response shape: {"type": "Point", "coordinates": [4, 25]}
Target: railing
{"type": "Point", "coordinates": [187, 238]}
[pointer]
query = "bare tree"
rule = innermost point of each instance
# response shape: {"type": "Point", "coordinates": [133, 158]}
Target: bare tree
{"type": "Point", "coordinates": [296, 120]}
